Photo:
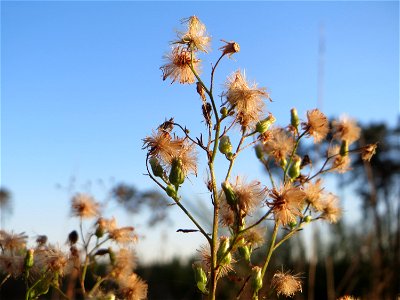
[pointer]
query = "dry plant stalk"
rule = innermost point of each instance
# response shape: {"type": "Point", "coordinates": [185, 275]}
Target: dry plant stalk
{"type": "Point", "coordinates": [294, 198]}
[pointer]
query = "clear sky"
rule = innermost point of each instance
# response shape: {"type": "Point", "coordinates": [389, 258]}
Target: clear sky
{"type": "Point", "coordinates": [81, 86]}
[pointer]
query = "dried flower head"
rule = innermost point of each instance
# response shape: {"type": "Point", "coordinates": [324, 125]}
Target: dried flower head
{"type": "Point", "coordinates": [368, 151]}
{"type": "Point", "coordinates": [286, 284]}
{"type": "Point", "coordinates": [313, 193]}
{"type": "Point", "coordinates": [331, 210]}
{"type": "Point", "coordinates": [125, 262]}
{"type": "Point", "coordinates": [84, 206]}
{"type": "Point", "coordinates": [346, 129]}
{"type": "Point", "coordinates": [226, 214]}
{"type": "Point", "coordinates": [279, 144]}
{"type": "Point", "coordinates": [317, 125]}
{"type": "Point", "coordinates": [196, 36]}
{"type": "Point", "coordinates": [287, 203]}
{"type": "Point", "coordinates": [123, 235]}
{"type": "Point", "coordinates": [229, 48]}
{"type": "Point", "coordinates": [340, 164]}
{"type": "Point", "coordinates": [12, 264]}
{"type": "Point", "coordinates": [254, 236]}
{"type": "Point", "coordinates": [12, 241]}
{"type": "Point", "coordinates": [178, 65]}
{"type": "Point", "coordinates": [249, 195]}
{"type": "Point", "coordinates": [132, 287]}
{"type": "Point", "coordinates": [245, 99]}
{"type": "Point", "coordinates": [50, 259]}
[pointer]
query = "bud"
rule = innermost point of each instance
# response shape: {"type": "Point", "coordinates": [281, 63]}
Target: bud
{"type": "Point", "coordinates": [170, 189]}
{"type": "Point", "coordinates": [294, 170]}
{"type": "Point", "coordinates": [225, 145]}
{"type": "Point", "coordinates": [223, 256]}
{"type": "Point", "coordinates": [73, 237]}
{"type": "Point", "coordinates": [292, 224]}
{"type": "Point", "coordinates": [28, 263]}
{"type": "Point", "coordinates": [200, 90]}
{"type": "Point", "coordinates": [344, 148]}
{"type": "Point", "coordinates": [256, 279]}
{"type": "Point", "coordinates": [201, 278]}
{"type": "Point", "coordinates": [99, 231]}
{"type": "Point", "coordinates": [102, 252]}
{"type": "Point", "coordinates": [259, 151]}
{"type": "Point", "coordinates": [176, 176]}
{"type": "Point", "coordinates": [223, 111]}
{"type": "Point", "coordinates": [245, 252]}
{"type": "Point", "coordinates": [229, 156]}
{"type": "Point", "coordinates": [308, 219]}
{"type": "Point", "coordinates": [263, 125]}
{"type": "Point", "coordinates": [229, 193]}
{"type": "Point", "coordinates": [283, 163]}
{"type": "Point", "coordinates": [230, 48]}
{"type": "Point", "coordinates": [156, 167]}
{"type": "Point", "coordinates": [294, 118]}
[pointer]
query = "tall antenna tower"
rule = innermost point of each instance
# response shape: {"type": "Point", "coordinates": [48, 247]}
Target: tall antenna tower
{"type": "Point", "coordinates": [321, 66]}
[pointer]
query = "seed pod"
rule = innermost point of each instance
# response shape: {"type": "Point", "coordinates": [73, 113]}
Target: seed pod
{"type": "Point", "coordinates": [156, 167]}
{"type": "Point", "coordinates": [176, 176]}
{"type": "Point", "coordinates": [225, 145]}
{"type": "Point", "coordinates": [229, 193]}
{"type": "Point", "coordinates": [73, 237]}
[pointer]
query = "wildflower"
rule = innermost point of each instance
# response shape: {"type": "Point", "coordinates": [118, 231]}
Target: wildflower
{"type": "Point", "coordinates": [229, 48]}
{"type": "Point", "coordinates": [105, 225]}
{"type": "Point", "coordinates": [313, 193]}
{"type": "Point", "coordinates": [123, 235]}
{"type": "Point", "coordinates": [346, 129]}
{"type": "Point", "coordinates": [84, 206]}
{"type": "Point", "coordinates": [368, 151]}
{"type": "Point", "coordinates": [286, 284]}
{"type": "Point", "coordinates": [287, 203]}
{"type": "Point", "coordinates": [132, 287]}
{"type": "Point", "coordinates": [12, 241]}
{"type": "Point", "coordinates": [249, 195]}
{"type": "Point", "coordinates": [279, 144]}
{"type": "Point", "coordinates": [12, 264]}
{"type": "Point", "coordinates": [340, 163]}
{"type": "Point", "coordinates": [125, 262]}
{"type": "Point", "coordinates": [195, 37]}
{"type": "Point", "coordinates": [50, 259]}
{"type": "Point", "coordinates": [317, 125]}
{"type": "Point", "coordinates": [178, 66]}
{"type": "Point", "coordinates": [331, 210]}
{"type": "Point", "coordinates": [247, 100]}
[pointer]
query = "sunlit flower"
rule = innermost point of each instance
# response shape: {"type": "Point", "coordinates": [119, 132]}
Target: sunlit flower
{"type": "Point", "coordinates": [368, 151]}
{"type": "Point", "coordinates": [245, 99]}
{"type": "Point", "coordinates": [346, 129]}
{"type": "Point", "coordinates": [84, 206]}
{"type": "Point", "coordinates": [313, 193]}
{"type": "Point", "coordinates": [229, 48]}
{"type": "Point", "coordinates": [132, 287]}
{"type": "Point", "coordinates": [331, 210]}
{"type": "Point", "coordinates": [287, 203]}
{"type": "Point", "coordinates": [279, 144]}
{"type": "Point", "coordinates": [286, 284]}
{"type": "Point", "coordinates": [317, 125]}
{"type": "Point", "coordinates": [12, 241]}
{"type": "Point", "coordinates": [178, 65]}
{"type": "Point", "coordinates": [196, 36]}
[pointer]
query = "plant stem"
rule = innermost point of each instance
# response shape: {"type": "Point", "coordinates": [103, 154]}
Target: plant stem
{"type": "Point", "coordinates": [271, 248]}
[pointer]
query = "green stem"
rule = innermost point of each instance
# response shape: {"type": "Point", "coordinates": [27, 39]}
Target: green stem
{"type": "Point", "coordinates": [270, 249]}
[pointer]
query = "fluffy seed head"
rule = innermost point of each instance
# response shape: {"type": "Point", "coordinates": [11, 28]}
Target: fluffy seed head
{"type": "Point", "coordinates": [368, 151]}
{"type": "Point", "coordinates": [286, 284]}
{"type": "Point", "coordinates": [331, 209]}
{"type": "Point", "coordinates": [196, 36]}
{"type": "Point", "coordinates": [12, 242]}
{"type": "Point", "coordinates": [84, 206]}
{"type": "Point", "coordinates": [317, 125]}
{"type": "Point", "coordinates": [346, 129]}
{"type": "Point", "coordinates": [278, 144]}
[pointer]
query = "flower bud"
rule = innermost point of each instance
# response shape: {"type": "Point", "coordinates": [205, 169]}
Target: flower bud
{"type": "Point", "coordinates": [156, 167]}
{"type": "Point", "coordinates": [245, 252]}
{"type": "Point", "coordinates": [176, 176]}
{"type": "Point", "coordinates": [171, 191]}
{"type": "Point", "coordinates": [28, 263]}
{"type": "Point", "coordinates": [283, 163]}
{"type": "Point", "coordinates": [73, 237]}
{"type": "Point", "coordinates": [223, 257]}
{"type": "Point", "coordinates": [225, 145]}
{"type": "Point", "coordinates": [263, 125]}
{"type": "Point", "coordinates": [223, 111]}
{"type": "Point", "coordinates": [294, 118]}
{"type": "Point", "coordinates": [344, 148]}
{"type": "Point", "coordinates": [292, 224]}
{"type": "Point", "coordinates": [259, 151]}
{"type": "Point", "coordinates": [102, 252]}
{"type": "Point", "coordinates": [229, 193]}
{"type": "Point", "coordinates": [201, 278]}
{"type": "Point", "coordinates": [256, 279]}
{"type": "Point", "coordinates": [308, 219]}
{"type": "Point", "coordinates": [294, 170]}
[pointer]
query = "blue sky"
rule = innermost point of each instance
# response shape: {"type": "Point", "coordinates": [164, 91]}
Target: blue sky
{"type": "Point", "coordinates": [81, 86]}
